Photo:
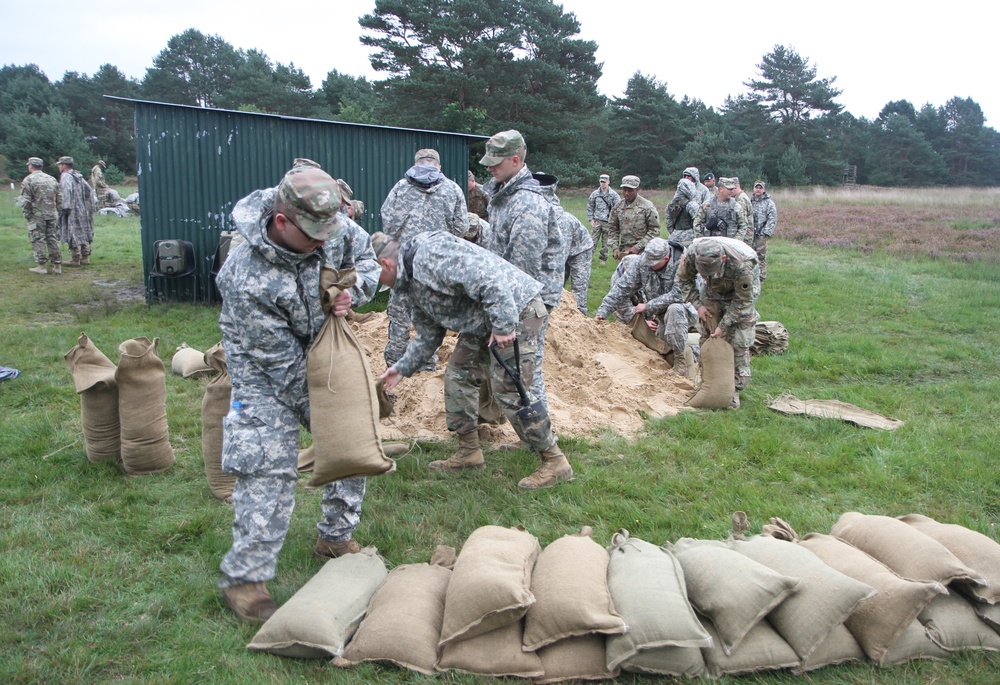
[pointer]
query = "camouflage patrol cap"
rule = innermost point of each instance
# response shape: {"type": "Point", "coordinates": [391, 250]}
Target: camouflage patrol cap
{"type": "Point", "coordinates": [727, 183]}
{"type": "Point", "coordinates": [379, 241]}
{"type": "Point", "coordinates": [735, 180]}
{"type": "Point", "coordinates": [656, 249]}
{"type": "Point", "coordinates": [427, 153]}
{"type": "Point", "coordinates": [604, 177]}
{"type": "Point", "coordinates": [65, 159]}
{"type": "Point", "coordinates": [359, 208]}
{"type": "Point", "coordinates": [708, 256]}
{"type": "Point", "coordinates": [759, 183]}
{"type": "Point", "coordinates": [692, 171]}
{"type": "Point", "coordinates": [35, 161]}
{"type": "Point", "coordinates": [503, 145]}
{"type": "Point", "coordinates": [630, 182]}
{"type": "Point", "coordinates": [312, 199]}
{"type": "Point", "coordinates": [345, 190]}
{"type": "Point", "coordinates": [473, 221]}
{"type": "Point", "coordinates": [304, 163]}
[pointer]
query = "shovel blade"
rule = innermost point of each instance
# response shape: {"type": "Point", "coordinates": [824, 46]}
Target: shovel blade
{"type": "Point", "coordinates": [535, 422]}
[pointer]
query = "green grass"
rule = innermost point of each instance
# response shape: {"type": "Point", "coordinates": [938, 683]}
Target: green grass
{"type": "Point", "coordinates": [105, 578]}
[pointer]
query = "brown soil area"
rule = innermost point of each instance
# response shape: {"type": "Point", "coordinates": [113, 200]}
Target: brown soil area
{"type": "Point", "coordinates": [596, 376]}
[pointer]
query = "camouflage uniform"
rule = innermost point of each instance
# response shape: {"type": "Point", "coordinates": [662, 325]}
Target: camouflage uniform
{"type": "Point", "coordinates": [77, 229]}
{"type": "Point", "coordinates": [765, 218]}
{"type": "Point", "coordinates": [730, 295]}
{"type": "Point", "coordinates": [479, 201]}
{"type": "Point", "coordinates": [633, 224]}
{"type": "Point", "coordinates": [271, 312]}
{"type": "Point", "coordinates": [457, 286]}
{"type": "Point", "coordinates": [423, 200]}
{"type": "Point", "coordinates": [732, 220]}
{"type": "Point", "coordinates": [42, 205]}
{"type": "Point", "coordinates": [99, 186]}
{"type": "Point", "coordinates": [743, 200]}
{"type": "Point", "coordinates": [599, 206]}
{"type": "Point", "coordinates": [578, 244]}
{"type": "Point", "coordinates": [681, 211]}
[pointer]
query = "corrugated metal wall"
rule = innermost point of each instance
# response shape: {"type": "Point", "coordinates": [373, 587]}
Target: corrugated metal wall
{"type": "Point", "coordinates": [194, 164]}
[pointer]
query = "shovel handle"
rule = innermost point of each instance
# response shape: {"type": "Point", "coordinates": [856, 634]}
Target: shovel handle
{"type": "Point", "coordinates": [516, 377]}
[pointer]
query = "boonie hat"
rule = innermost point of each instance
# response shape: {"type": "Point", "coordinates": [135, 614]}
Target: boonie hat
{"type": "Point", "coordinates": [708, 256]}
{"type": "Point", "coordinates": [503, 145]}
{"type": "Point", "coordinates": [35, 161]}
{"type": "Point", "coordinates": [65, 159]}
{"type": "Point", "coordinates": [313, 199]}
{"type": "Point", "coordinates": [727, 183]}
{"type": "Point", "coordinates": [427, 153]}
{"type": "Point", "coordinates": [630, 181]}
{"type": "Point", "coordinates": [656, 249]}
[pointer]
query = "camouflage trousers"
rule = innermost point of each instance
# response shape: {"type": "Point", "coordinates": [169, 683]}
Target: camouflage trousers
{"type": "Point", "coordinates": [472, 363]}
{"type": "Point", "coordinates": [760, 245]}
{"type": "Point", "coordinates": [261, 449]}
{"type": "Point", "coordinates": [740, 336]}
{"type": "Point", "coordinates": [400, 319]}
{"type": "Point", "coordinates": [672, 326]}
{"type": "Point", "coordinates": [578, 271]}
{"type": "Point", "coordinates": [600, 235]}
{"type": "Point", "coordinates": [44, 236]}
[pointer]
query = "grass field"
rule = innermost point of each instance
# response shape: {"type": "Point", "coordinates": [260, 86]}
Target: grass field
{"type": "Point", "coordinates": [105, 578]}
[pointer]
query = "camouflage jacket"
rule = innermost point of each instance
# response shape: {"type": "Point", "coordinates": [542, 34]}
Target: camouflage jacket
{"type": "Point", "coordinates": [576, 237]}
{"type": "Point", "coordinates": [599, 205]}
{"type": "Point", "coordinates": [743, 200]}
{"type": "Point", "coordinates": [97, 179]}
{"type": "Point", "coordinates": [737, 286]}
{"type": "Point", "coordinates": [525, 231]}
{"type": "Point", "coordinates": [633, 224]}
{"type": "Point", "coordinates": [479, 201]}
{"type": "Point", "coordinates": [424, 200]}
{"type": "Point", "coordinates": [354, 246]}
{"type": "Point", "coordinates": [765, 216]}
{"type": "Point", "coordinates": [732, 220]}
{"type": "Point", "coordinates": [455, 285]}
{"type": "Point", "coordinates": [79, 198]}
{"type": "Point", "coordinates": [659, 288]}
{"type": "Point", "coordinates": [40, 197]}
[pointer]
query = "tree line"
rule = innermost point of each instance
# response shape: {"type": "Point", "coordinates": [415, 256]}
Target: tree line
{"type": "Point", "coordinates": [475, 67]}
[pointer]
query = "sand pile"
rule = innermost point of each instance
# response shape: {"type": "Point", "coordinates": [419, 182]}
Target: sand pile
{"type": "Point", "coordinates": [596, 375]}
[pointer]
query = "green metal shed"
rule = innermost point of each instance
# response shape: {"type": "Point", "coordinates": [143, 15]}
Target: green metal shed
{"type": "Point", "coordinates": [195, 163]}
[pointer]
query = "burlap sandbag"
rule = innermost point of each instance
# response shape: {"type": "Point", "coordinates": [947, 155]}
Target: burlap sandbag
{"type": "Point", "coordinates": [910, 553]}
{"type": "Point", "coordinates": [575, 658]}
{"type": "Point", "coordinates": [838, 647]}
{"type": "Point", "coordinates": [142, 408]}
{"type": "Point", "coordinates": [952, 623]}
{"type": "Point", "coordinates": [189, 362]}
{"type": "Point", "coordinates": [763, 649]}
{"type": "Point", "coordinates": [988, 612]}
{"type": "Point", "coordinates": [913, 643]}
{"type": "Point", "coordinates": [977, 551]}
{"type": "Point", "coordinates": [570, 584]}
{"type": "Point", "coordinates": [732, 590]}
{"type": "Point", "coordinates": [319, 619]}
{"type": "Point", "coordinates": [679, 662]}
{"type": "Point", "coordinates": [343, 403]}
{"type": "Point", "coordinates": [718, 384]}
{"type": "Point", "coordinates": [648, 337]}
{"type": "Point", "coordinates": [94, 378]}
{"type": "Point", "coordinates": [490, 585]}
{"type": "Point", "coordinates": [214, 407]}
{"type": "Point", "coordinates": [880, 621]}
{"type": "Point", "coordinates": [496, 653]}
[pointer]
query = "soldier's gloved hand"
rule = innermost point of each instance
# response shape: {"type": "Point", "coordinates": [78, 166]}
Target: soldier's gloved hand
{"type": "Point", "coordinates": [617, 254]}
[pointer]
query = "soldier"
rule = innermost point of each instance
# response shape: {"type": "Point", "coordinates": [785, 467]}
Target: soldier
{"type": "Point", "coordinates": [271, 312]}
{"type": "Point", "coordinates": [98, 184]}
{"type": "Point", "coordinates": [725, 296]}
{"type": "Point", "coordinates": [722, 215]}
{"type": "Point", "coordinates": [423, 200]}
{"type": "Point", "coordinates": [579, 245]}
{"type": "Point", "coordinates": [653, 275]}
{"type": "Point", "coordinates": [743, 200]}
{"type": "Point", "coordinates": [634, 221]}
{"type": "Point", "coordinates": [457, 286]}
{"type": "Point", "coordinates": [78, 206]}
{"type": "Point", "coordinates": [41, 207]}
{"type": "Point", "coordinates": [765, 218]}
{"type": "Point", "coordinates": [599, 206]}
{"type": "Point", "coordinates": [478, 200]}
{"type": "Point", "coordinates": [682, 209]}
{"type": "Point", "coordinates": [709, 182]}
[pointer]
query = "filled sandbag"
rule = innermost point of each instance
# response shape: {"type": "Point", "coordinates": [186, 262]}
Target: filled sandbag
{"type": "Point", "coordinates": [678, 662]}
{"type": "Point", "coordinates": [988, 612]}
{"type": "Point", "coordinates": [343, 403]}
{"type": "Point", "coordinates": [880, 621]}
{"type": "Point", "coordinates": [94, 377]}
{"type": "Point", "coordinates": [913, 643]}
{"type": "Point", "coordinates": [838, 647]}
{"type": "Point", "coordinates": [214, 407]}
{"type": "Point", "coordinates": [979, 552]}
{"type": "Point", "coordinates": [142, 408]}
{"type": "Point", "coordinates": [763, 649]}
{"type": "Point", "coordinates": [570, 585]}
{"type": "Point", "coordinates": [189, 362]}
{"type": "Point", "coordinates": [496, 653]}
{"type": "Point", "coordinates": [732, 590]}
{"type": "Point", "coordinates": [490, 586]}
{"type": "Point", "coordinates": [718, 384]}
{"type": "Point", "coordinates": [575, 658]}
{"type": "Point", "coordinates": [649, 591]}
{"type": "Point", "coordinates": [319, 619]}
{"type": "Point", "coordinates": [952, 623]}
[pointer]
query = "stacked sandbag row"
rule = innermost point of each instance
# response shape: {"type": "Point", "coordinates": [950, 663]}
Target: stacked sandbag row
{"type": "Point", "coordinates": [123, 408]}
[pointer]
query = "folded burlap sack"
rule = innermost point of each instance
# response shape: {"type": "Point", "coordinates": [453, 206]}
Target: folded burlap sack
{"type": "Point", "coordinates": [770, 337]}
{"type": "Point", "coordinates": [94, 378]}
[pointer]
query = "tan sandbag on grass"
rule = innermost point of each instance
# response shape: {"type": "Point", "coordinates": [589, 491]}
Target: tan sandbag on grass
{"type": "Point", "coordinates": [570, 585]}
{"type": "Point", "coordinates": [214, 407]}
{"type": "Point", "coordinates": [490, 584]}
{"type": "Point", "coordinates": [94, 377]}
{"type": "Point", "coordinates": [979, 552]}
{"type": "Point", "coordinates": [679, 662]}
{"type": "Point", "coordinates": [648, 588]}
{"type": "Point", "coordinates": [644, 334]}
{"type": "Point", "coordinates": [343, 404]}
{"type": "Point", "coordinates": [823, 600]}
{"type": "Point", "coordinates": [910, 553]}
{"type": "Point", "coordinates": [575, 658]}
{"type": "Point", "coordinates": [188, 362]}
{"type": "Point", "coordinates": [913, 643]}
{"type": "Point", "coordinates": [880, 621]}
{"type": "Point", "coordinates": [834, 409]}
{"type": "Point", "coordinates": [838, 647]}
{"type": "Point", "coordinates": [952, 623]}
{"type": "Point", "coordinates": [319, 619]}
{"type": "Point", "coordinates": [496, 653]}
{"type": "Point", "coordinates": [763, 649]}
{"type": "Point", "coordinates": [142, 408]}
{"type": "Point", "coordinates": [718, 384]}
{"type": "Point", "coordinates": [732, 590]}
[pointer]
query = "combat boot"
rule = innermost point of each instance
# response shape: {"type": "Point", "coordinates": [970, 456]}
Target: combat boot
{"type": "Point", "coordinates": [555, 468]}
{"type": "Point", "coordinates": [40, 269]}
{"type": "Point", "coordinates": [57, 268]}
{"type": "Point", "coordinates": [85, 261]}
{"type": "Point", "coordinates": [332, 550]}
{"type": "Point", "coordinates": [468, 456]}
{"type": "Point", "coordinates": [74, 257]}
{"type": "Point", "coordinates": [680, 366]}
{"type": "Point", "coordinates": [251, 602]}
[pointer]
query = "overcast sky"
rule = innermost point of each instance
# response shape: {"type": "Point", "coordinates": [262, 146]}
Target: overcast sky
{"type": "Point", "coordinates": [878, 50]}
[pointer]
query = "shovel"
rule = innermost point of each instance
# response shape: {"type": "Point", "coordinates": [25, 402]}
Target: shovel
{"type": "Point", "coordinates": [533, 416]}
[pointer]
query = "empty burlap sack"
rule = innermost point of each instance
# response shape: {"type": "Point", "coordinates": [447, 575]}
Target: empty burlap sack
{"type": "Point", "coordinates": [838, 647]}
{"type": "Point", "coordinates": [834, 409]}
{"type": "Point", "coordinates": [823, 599]}
{"type": "Point", "coordinates": [979, 552]}
{"type": "Point", "coordinates": [575, 658]}
{"type": "Point", "coordinates": [490, 584]}
{"type": "Point", "coordinates": [142, 408]}
{"type": "Point", "coordinates": [94, 378]}
{"type": "Point", "coordinates": [321, 617]}
{"type": "Point", "coordinates": [645, 335]}
{"type": "Point", "coordinates": [878, 622]}
{"type": "Point", "coordinates": [570, 585]}
{"type": "Point", "coordinates": [913, 643]}
{"type": "Point", "coordinates": [188, 362]}
{"type": "Point", "coordinates": [763, 649]}
{"type": "Point", "coordinates": [648, 588]}
{"type": "Point", "coordinates": [732, 590]}
{"type": "Point", "coordinates": [952, 623]}
{"type": "Point", "coordinates": [910, 553]}
{"type": "Point", "coordinates": [214, 407]}
{"type": "Point", "coordinates": [718, 384]}
{"type": "Point", "coordinates": [496, 653]}
{"type": "Point", "coordinates": [770, 337]}
{"type": "Point", "coordinates": [343, 403]}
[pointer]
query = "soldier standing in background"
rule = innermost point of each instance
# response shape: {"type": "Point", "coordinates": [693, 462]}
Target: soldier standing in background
{"type": "Point", "coordinates": [634, 221]}
{"type": "Point", "coordinates": [578, 243]}
{"type": "Point", "coordinates": [478, 199]}
{"type": "Point", "coordinates": [599, 206]}
{"type": "Point", "coordinates": [765, 218]}
{"type": "Point", "coordinates": [743, 200]}
{"type": "Point", "coordinates": [41, 207]}
{"type": "Point", "coordinates": [98, 184]}
{"type": "Point", "coordinates": [722, 216]}
{"type": "Point", "coordinates": [709, 182]}
{"type": "Point", "coordinates": [78, 206]}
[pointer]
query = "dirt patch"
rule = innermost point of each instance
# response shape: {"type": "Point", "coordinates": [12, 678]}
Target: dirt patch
{"type": "Point", "coordinates": [123, 292]}
{"type": "Point", "coordinates": [596, 375]}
